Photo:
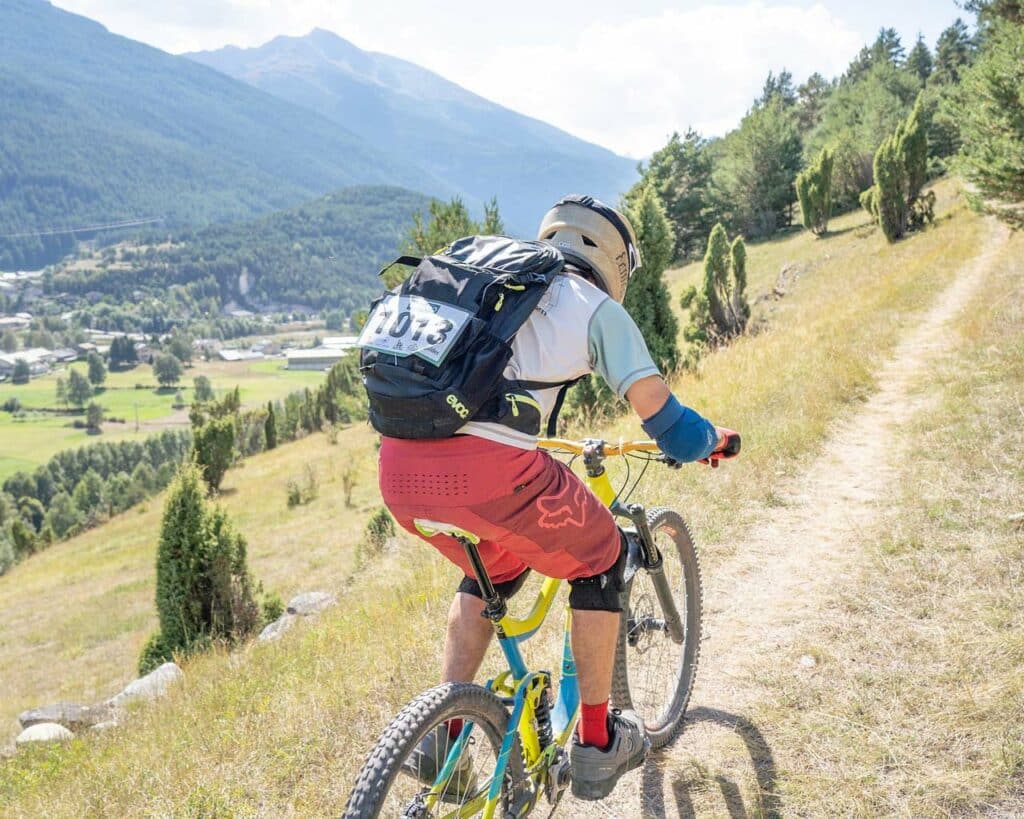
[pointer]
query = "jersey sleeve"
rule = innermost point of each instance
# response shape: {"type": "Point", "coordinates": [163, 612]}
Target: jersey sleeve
{"type": "Point", "coordinates": [618, 352]}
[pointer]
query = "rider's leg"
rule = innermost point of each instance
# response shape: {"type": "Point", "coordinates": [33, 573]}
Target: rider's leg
{"type": "Point", "coordinates": [466, 641]}
{"type": "Point", "coordinates": [594, 634]}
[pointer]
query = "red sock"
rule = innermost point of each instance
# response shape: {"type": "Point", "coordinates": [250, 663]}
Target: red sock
{"type": "Point", "coordinates": [593, 727]}
{"type": "Point", "coordinates": [454, 728]}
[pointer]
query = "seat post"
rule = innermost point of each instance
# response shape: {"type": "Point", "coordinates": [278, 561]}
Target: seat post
{"type": "Point", "coordinates": [494, 604]}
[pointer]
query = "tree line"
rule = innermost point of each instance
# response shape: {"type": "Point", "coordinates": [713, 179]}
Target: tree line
{"type": "Point", "coordinates": [78, 489]}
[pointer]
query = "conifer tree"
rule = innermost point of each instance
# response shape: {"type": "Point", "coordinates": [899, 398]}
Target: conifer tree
{"type": "Point", "coordinates": [203, 588]}
{"type": "Point", "coordinates": [990, 111]}
{"type": "Point", "coordinates": [719, 310]}
{"type": "Point", "coordinates": [814, 190]}
{"type": "Point", "coordinates": [270, 426]}
{"type": "Point", "coordinates": [900, 169]}
{"type": "Point", "coordinates": [647, 297]}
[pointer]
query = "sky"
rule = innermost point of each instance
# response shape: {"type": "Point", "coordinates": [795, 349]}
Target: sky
{"type": "Point", "coordinates": [622, 74]}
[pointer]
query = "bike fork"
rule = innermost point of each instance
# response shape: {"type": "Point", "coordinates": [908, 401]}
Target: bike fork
{"type": "Point", "coordinates": [655, 566]}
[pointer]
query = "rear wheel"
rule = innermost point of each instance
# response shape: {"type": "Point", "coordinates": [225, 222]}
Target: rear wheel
{"type": "Point", "coordinates": [394, 782]}
{"type": "Point", "coordinates": [653, 674]}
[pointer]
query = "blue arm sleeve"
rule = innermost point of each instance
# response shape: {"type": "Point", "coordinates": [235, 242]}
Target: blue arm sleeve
{"type": "Point", "coordinates": [680, 432]}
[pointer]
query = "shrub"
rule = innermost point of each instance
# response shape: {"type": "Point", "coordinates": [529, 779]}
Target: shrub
{"type": "Point", "coordinates": [304, 489]}
{"type": "Point", "coordinates": [380, 527]}
{"type": "Point", "coordinates": [814, 190]}
{"type": "Point", "coordinates": [349, 478]}
{"type": "Point", "coordinates": [272, 608]}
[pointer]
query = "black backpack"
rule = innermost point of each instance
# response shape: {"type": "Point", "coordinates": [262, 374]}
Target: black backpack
{"type": "Point", "coordinates": [434, 349]}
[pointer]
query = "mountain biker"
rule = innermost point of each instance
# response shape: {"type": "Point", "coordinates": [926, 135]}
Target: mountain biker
{"type": "Point", "coordinates": [529, 509]}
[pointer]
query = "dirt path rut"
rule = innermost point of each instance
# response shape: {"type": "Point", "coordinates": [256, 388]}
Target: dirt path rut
{"type": "Point", "coordinates": [784, 572]}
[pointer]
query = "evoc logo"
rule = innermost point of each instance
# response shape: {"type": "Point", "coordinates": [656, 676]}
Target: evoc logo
{"type": "Point", "coordinates": [460, 409]}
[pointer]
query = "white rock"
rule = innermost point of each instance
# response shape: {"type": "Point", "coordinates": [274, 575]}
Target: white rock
{"type": "Point", "coordinates": [153, 685]}
{"type": "Point", "coordinates": [311, 603]}
{"type": "Point", "coordinates": [807, 661]}
{"type": "Point", "coordinates": [272, 631]}
{"type": "Point", "coordinates": [104, 726]}
{"type": "Point", "coordinates": [44, 732]}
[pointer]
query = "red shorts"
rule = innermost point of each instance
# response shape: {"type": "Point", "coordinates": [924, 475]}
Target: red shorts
{"type": "Point", "coordinates": [528, 509]}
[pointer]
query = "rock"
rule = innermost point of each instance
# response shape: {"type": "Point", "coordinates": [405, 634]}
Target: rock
{"type": "Point", "coordinates": [1017, 521]}
{"type": "Point", "coordinates": [104, 726]}
{"type": "Point", "coordinates": [44, 732]}
{"type": "Point", "coordinates": [807, 661]}
{"type": "Point", "coordinates": [272, 631]}
{"type": "Point", "coordinates": [153, 685]}
{"type": "Point", "coordinates": [71, 716]}
{"type": "Point", "coordinates": [311, 603]}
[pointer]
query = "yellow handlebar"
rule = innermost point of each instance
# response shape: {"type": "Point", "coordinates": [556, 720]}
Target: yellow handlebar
{"type": "Point", "coordinates": [576, 447]}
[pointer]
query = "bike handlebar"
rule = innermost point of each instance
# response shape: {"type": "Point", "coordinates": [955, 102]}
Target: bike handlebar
{"type": "Point", "coordinates": [730, 450]}
{"type": "Point", "coordinates": [576, 447]}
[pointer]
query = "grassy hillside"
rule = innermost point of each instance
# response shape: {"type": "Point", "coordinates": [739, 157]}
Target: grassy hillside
{"type": "Point", "coordinates": [141, 133]}
{"type": "Point", "coordinates": [281, 729]}
{"type": "Point", "coordinates": [26, 442]}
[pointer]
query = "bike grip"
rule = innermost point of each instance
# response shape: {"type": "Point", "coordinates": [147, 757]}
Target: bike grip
{"type": "Point", "coordinates": [733, 443]}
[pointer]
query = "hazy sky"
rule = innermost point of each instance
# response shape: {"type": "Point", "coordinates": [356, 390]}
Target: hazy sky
{"type": "Point", "coordinates": [622, 74]}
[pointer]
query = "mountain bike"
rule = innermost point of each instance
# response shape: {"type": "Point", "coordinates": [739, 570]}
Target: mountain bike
{"type": "Point", "coordinates": [509, 738]}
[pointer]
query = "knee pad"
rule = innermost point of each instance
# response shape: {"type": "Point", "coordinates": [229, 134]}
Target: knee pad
{"type": "Point", "coordinates": [505, 590]}
{"type": "Point", "coordinates": [600, 592]}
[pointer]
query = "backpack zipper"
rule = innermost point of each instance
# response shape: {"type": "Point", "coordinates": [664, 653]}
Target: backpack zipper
{"type": "Point", "coordinates": [514, 400]}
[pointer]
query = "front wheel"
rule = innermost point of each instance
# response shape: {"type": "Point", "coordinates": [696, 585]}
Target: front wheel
{"type": "Point", "coordinates": [653, 674]}
{"type": "Point", "coordinates": [399, 780]}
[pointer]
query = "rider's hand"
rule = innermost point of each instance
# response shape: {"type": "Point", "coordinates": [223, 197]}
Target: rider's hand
{"type": "Point", "coordinates": [728, 446]}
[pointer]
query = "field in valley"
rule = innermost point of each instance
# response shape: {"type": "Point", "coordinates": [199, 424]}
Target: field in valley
{"type": "Point", "coordinates": [127, 396]}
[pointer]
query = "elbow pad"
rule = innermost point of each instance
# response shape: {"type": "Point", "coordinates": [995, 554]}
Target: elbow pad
{"type": "Point", "coordinates": [680, 432]}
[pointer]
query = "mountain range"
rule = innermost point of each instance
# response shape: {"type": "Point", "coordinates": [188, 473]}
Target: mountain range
{"type": "Point", "coordinates": [98, 128]}
{"type": "Point", "coordinates": [475, 146]}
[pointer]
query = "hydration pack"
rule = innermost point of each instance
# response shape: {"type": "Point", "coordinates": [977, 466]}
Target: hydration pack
{"type": "Point", "coordinates": [434, 349]}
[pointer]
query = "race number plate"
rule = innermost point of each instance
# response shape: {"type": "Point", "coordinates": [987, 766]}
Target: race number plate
{"type": "Point", "coordinates": [412, 325]}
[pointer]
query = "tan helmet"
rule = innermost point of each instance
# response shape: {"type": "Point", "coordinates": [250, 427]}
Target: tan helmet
{"type": "Point", "coordinates": [596, 237]}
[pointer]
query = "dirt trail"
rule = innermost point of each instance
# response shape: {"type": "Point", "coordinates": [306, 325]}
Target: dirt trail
{"type": "Point", "coordinates": [783, 575]}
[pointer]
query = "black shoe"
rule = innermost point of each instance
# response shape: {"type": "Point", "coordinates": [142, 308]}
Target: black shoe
{"type": "Point", "coordinates": [426, 762]}
{"type": "Point", "coordinates": [595, 771]}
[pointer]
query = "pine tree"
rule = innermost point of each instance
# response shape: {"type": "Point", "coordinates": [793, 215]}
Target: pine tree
{"type": "Point", "coordinates": [953, 52]}
{"type": "Point", "coordinates": [990, 111]}
{"type": "Point", "coordinates": [647, 297]}
{"type": "Point", "coordinates": [919, 60]}
{"type": "Point", "coordinates": [270, 426]}
{"type": "Point", "coordinates": [681, 174]}
{"type": "Point", "coordinates": [814, 190]}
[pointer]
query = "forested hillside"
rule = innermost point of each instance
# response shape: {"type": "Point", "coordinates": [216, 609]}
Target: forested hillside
{"type": "Point", "coordinates": [325, 253]}
{"type": "Point", "coordinates": [746, 178]}
{"type": "Point", "coordinates": [477, 147]}
{"type": "Point", "coordinates": [97, 128]}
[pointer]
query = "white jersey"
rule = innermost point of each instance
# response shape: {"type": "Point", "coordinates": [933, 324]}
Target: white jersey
{"type": "Point", "coordinates": [574, 330]}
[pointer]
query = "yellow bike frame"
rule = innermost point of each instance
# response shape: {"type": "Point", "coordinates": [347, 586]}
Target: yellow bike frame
{"type": "Point", "coordinates": [527, 688]}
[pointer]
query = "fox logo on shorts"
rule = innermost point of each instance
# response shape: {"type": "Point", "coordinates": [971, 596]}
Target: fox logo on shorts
{"type": "Point", "coordinates": [559, 511]}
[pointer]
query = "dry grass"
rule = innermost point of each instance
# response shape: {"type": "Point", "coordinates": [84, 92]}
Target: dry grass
{"type": "Point", "coordinates": [916, 707]}
{"type": "Point", "coordinates": [280, 730]}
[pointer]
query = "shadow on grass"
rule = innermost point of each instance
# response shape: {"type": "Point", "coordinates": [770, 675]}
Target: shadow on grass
{"type": "Point", "coordinates": [769, 805]}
